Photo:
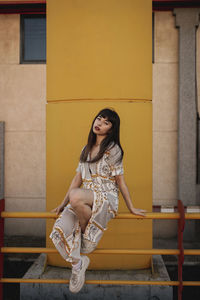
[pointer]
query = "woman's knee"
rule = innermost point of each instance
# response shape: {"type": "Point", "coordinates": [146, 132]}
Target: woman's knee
{"type": "Point", "coordinates": [75, 198]}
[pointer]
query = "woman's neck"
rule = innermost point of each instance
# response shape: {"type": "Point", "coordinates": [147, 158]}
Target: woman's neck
{"type": "Point", "coordinates": [99, 139]}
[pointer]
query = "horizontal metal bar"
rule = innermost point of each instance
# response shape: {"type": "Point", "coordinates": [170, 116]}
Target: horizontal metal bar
{"type": "Point", "coordinates": [49, 215]}
{"type": "Point", "coordinates": [150, 216]}
{"type": "Point", "coordinates": [192, 216]}
{"type": "Point", "coordinates": [189, 216]}
{"type": "Point", "coordinates": [114, 282]}
{"type": "Point", "coordinates": [104, 251]}
{"type": "Point", "coordinates": [45, 215]}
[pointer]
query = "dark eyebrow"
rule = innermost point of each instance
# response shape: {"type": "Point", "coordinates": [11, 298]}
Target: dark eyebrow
{"type": "Point", "coordinates": [106, 119]}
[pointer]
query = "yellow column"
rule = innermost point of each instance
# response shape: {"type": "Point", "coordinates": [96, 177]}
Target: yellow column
{"type": "Point", "coordinates": [99, 54]}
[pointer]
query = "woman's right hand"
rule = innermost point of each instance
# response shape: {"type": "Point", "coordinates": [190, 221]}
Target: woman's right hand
{"type": "Point", "coordinates": [58, 209]}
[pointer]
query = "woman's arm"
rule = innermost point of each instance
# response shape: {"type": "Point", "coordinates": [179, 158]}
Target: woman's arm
{"type": "Point", "coordinates": [76, 183]}
{"type": "Point", "coordinates": [126, 195]}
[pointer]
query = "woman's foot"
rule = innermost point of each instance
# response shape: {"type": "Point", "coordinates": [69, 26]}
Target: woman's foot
{"type": "Point", "coordinates": [77, 279]}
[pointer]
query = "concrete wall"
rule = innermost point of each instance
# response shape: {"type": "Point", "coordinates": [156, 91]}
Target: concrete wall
{"type": "Point", "coordinates": [198, 70]}
{"type": "Point", "coordinates": [23, 100]}
{"type": "Point", "coordinates": [165, 118]}
{"type": "Point", "coordinates": [198, 100]}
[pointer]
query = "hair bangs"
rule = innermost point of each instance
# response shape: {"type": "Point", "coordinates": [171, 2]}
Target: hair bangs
{"type": "Point", "coordinates": [109, 114]}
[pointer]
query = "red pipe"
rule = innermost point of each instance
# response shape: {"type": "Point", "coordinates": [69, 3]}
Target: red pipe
{"type": "Point", "coordinates": [2, 208]}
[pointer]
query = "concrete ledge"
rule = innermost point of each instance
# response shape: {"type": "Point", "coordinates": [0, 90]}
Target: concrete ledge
{"type": "Point", "coordinates": [35, 291]}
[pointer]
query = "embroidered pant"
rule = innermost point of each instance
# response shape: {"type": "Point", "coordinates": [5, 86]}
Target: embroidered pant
{"type": "Point", "coordinates": [66, 233]}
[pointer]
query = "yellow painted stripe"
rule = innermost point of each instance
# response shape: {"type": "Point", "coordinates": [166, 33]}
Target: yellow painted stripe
{"type": "Point", "coordinates": [129, 100]}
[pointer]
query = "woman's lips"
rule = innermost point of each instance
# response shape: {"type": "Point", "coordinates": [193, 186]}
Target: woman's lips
{"type": "Point", "coordinates": [97, 128]}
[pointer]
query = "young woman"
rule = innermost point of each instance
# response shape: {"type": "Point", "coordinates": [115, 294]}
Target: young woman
{"type": "Point", "coordinates": [87, 210]}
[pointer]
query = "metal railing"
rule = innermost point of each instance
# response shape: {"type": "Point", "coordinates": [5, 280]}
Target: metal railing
{"type": "Point", "coordinates": [180, 252]}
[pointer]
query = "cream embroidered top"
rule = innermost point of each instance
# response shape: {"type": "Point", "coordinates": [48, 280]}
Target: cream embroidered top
{"type": "Point", "coordinates": [101, 173]}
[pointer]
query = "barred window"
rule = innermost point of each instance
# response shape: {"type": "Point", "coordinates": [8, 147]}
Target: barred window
{"type": "Point", "coordinates": [33, 39]}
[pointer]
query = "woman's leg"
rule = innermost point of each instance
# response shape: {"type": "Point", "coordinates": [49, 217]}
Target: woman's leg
{"type": "Point", "coordinates": [66, 235]}
{"type": "Point", "coordinates": [81, 201]}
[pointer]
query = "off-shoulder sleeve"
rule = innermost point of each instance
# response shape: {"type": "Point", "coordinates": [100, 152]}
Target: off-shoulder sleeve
{"type": "Point", "coordinates": [78, 169]}
{"type": "Point", "coordinates": [115, 166]}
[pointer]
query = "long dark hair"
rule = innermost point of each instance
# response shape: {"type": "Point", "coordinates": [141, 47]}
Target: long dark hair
{"type": "Point", "coordinates": [110, 140]}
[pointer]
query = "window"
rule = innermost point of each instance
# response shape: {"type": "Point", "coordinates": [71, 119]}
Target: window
{"type": "Point", "coordinates": [33, 39]}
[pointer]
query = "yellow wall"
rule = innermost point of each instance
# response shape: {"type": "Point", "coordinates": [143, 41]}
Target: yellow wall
{"type": "Point", "coordinates": [99, 55]}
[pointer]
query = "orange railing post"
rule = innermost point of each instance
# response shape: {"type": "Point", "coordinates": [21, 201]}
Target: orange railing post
{"type": "Point", "coordinates": [181, 225]}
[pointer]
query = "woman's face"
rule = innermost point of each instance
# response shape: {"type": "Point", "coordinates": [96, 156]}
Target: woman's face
{"type": "Point", "coordinates": [101, 125]}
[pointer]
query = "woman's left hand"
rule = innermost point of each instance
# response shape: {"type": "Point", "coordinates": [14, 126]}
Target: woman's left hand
{"type": "Point", "coordinates": [138, 211]}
